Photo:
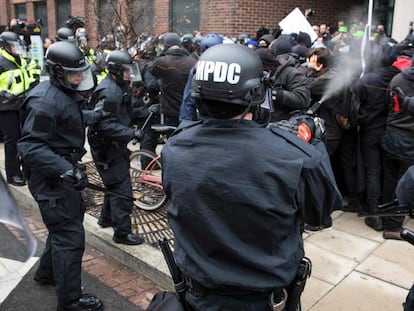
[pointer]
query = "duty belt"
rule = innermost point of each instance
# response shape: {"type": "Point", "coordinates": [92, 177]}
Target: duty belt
{"type": "Point", "coordinates": [277, 296]}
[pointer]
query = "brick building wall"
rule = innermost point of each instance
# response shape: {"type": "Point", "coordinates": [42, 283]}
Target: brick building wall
{"type": "Point", "coordinates": [233, 17]}
{"type": "Point", "coordinates": [161, 16]}
{"type": "Point", "coordinates": [230, 17]}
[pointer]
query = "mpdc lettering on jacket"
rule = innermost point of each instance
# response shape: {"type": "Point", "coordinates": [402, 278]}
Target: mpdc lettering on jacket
{"type": "Point", "coordinates": [220, 71]}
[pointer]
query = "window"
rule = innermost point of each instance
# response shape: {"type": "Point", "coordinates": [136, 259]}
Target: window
{"type": "Point", "coordinates": [185, 16]}
{"type": "Point", "coordinates": [62, 12]}
{"type": "Point", "coordinates": [40, 13]}
{"type": "Point", "coordinates": [383, 14]}
{"type": "Point", "coordinates": [20, 11]}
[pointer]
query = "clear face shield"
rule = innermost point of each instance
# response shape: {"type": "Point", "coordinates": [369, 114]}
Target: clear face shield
{"type": "Point", "coordinates": [15, 48]}
{"type": "Point", "coordinates": [132, 73]}
{"type": "Point", "coordinates": [82, 38]}
{"type": "Point", "coordinates": [18, 244]}
{"type": "Point", "coordinates": [82, 42]}
{"type": "Point", "coordinates": [79, 79]}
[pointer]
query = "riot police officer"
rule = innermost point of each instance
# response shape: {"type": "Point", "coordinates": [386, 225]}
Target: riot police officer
{"type": "Point", "coordinates": [15, 80]}
{"type": "Point", "coordinates": [65, 34]}
{"type": "Point", "coordinates": [239, 190]}
{"type": "Point", "coordinates": [52, 143]}
{"type": "Point", "coordinates": [108, 140]}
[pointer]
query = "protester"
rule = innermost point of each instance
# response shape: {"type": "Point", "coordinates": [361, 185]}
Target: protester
{"type": "Point", "coordinates": [172, 71]}
{"type": "Point", "coordinates": [397, 143]}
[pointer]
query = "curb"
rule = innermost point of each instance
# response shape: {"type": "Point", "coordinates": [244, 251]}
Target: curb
{"type": "Point", "coordinates": [144, 259]}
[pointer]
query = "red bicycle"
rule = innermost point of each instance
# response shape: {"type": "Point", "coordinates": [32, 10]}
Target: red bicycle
{"type": "Point", "coordinates": [146, 174]}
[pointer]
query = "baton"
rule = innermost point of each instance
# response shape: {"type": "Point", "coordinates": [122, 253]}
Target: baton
{"type": "Point", "coordinates": [176, 274]}
{"type": "Point", "coordinates": [106, 191]}
{"type": "Point", "coordinates": [102, 189]}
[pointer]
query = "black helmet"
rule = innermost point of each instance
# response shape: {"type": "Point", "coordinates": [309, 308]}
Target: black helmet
{"type": "Point", "coordinates": [197, 40]}
{"type": "Point", "coordinates": [171, 39]}
{"type": "Point", "coordinates": [9, 40]}
{"type": "Point", "coordinates": [64, 59]}
{"type": "Point", "coordinates": [230, 73]}
{"type": "Point", "coordinates": [65, 34]}
{"type": "Point", "coordinates": [118, 62]}
{"type": "Point", "coordinates": [243, 38]}
{"type": "Point", "coordinates": [187, 39]}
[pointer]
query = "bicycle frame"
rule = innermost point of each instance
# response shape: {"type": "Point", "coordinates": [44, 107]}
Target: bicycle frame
{"type": "Point", "coordinates": [147, 177]}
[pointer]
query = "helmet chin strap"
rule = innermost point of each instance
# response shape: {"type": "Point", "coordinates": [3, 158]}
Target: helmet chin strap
{"type": "Point", "coordinates": [246, 111]}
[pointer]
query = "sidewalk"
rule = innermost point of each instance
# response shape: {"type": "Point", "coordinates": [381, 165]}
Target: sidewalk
{"type": "Point", "coordinates": [354, 268]}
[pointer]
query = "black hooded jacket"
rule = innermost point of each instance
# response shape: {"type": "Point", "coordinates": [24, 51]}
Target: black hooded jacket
{"type": "Point", "coordinates": [172, 71]}
{"type": "Point", "coordinates": [291, 88]}
{"type": "Point", "coordinates": [402, 122]}
{"type": "Point", "coordinates": [374, 95]}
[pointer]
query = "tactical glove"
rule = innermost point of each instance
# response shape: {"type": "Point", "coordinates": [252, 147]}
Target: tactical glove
{"type": "Point", "coordinates": [100, 111]}
{"type": "Point", "coordinates": [77, 176]}
{"type": "Point", "coordinates": [138, 134]}
{"type": "Point", "coordinates": [155, 108]}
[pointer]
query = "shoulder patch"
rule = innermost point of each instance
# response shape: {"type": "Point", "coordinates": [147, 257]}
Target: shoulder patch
{"type": "Point", "coordinates": [42, 123]}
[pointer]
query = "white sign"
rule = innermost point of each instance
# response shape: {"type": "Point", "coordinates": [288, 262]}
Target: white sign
{"type": "Point", "coordinates": [36, 49]}
{"type": "Point", "coordinates": [295, 22]}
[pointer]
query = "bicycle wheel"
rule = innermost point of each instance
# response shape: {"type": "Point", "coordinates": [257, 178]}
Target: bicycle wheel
{"type": "Point", "coordinates": [146, 180]}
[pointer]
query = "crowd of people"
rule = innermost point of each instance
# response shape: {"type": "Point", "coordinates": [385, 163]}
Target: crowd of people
{"type": "Point", "coordinates": [249, 188]}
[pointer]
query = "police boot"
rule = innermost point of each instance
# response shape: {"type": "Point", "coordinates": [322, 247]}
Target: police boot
{"type": "Point", "coordinates": [86, 302]}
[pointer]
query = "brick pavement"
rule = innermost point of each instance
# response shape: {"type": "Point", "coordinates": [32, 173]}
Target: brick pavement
{"type": "Point", "coordinates": [125, 281]}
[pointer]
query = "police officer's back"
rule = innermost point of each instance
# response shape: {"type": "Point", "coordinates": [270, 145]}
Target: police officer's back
{"type": "Point", "coordinates": [238, 190]}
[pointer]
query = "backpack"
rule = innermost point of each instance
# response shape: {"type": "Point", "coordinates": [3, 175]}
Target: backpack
{"type": "Point", "coordinates": [349, 115]}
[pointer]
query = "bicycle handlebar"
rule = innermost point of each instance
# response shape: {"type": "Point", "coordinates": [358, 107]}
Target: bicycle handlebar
{"type": "Point", "coordinates": [143, 127]}
{"type": "Point", "coordinates": [392, 208]}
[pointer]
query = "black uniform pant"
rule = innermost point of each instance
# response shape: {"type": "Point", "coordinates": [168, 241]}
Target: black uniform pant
{"type": "Point", "coordinates": [117, 209]}
{"type": "Point", "coordinates": [62, 212]}
{"type": "Point", "coordinates": [10, 128]}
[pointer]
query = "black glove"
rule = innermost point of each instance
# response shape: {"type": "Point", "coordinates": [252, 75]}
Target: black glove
{"type": "Point", "coordinates": [406, 102]}
{"type": "Point", "coordinates": [155, 108]}
{"type": "Point", "coordinates": [77, 176]}
{"type": "Point", "coordinates": [100, 111]}
{"type": "Point", "coordinates": [138, 134]}
{"type": "Point", "coordinates": [277, 98]}
{"type": "Point", "coordinates": [6, 97]}
{"type": "Point", "coordinates": [401, 96]}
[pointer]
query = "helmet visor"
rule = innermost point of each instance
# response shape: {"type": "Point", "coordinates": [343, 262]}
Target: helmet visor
{"type": "Point", "coordinates": [79, 79]}
{"type": "Point", "coordinates": [132, 73]}
{"type": "Point", "coordinates": [15, 47]}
